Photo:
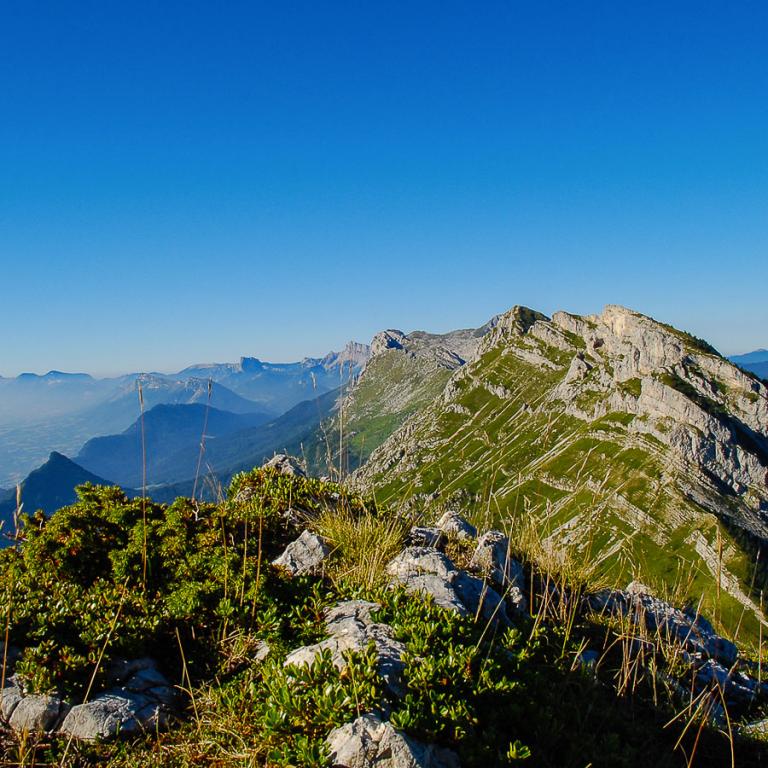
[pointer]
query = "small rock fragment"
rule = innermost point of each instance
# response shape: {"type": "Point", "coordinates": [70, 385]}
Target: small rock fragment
{"type": "Point", "coordinates": [305, 555]}
{"type": "Point", "coordinates": [453, 524]}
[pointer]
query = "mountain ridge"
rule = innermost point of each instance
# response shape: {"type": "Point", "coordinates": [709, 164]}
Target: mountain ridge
{"type": "Point", "coordinates": [612, 424]}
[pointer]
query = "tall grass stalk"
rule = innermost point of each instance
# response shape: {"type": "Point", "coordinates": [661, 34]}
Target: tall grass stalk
{"type": "Point", "coordinates": [143, 486]}
{"type": "Point", "coordinates": [202, 439]}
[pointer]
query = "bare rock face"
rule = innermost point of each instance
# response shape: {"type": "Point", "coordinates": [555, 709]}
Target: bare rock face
{"type": "Point", "coordinates": [391, 339]}
{"type": "Point", "coordinates": [351, 627]}
{"type": "Point", "coordinates": [704, 408]}
{"type": "Point", "coordinates": [305, 555]}
{"type": "Point", "coordinates": [369, 742]}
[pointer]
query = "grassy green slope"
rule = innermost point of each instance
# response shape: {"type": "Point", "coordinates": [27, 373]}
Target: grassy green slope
{"type": "Point", "coordinates": [394, 387]}
{"type": "Point", "coordinates": [396, 383]}
{"type": "Point", "coordinates": [498, 442]}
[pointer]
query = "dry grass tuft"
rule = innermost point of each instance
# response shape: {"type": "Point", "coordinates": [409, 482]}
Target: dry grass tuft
{"type": "Point", "coordinates": [362, 543]}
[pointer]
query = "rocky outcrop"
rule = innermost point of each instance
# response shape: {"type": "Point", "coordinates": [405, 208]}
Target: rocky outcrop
{"type": "Point", "coordinates": [691, 631]}
{"type": "Point", "coordinates": [427, 571]}
{"type": "Point", "coordinates": [384, 340]}
{"type": "Point", "coordinates": [708, 662]}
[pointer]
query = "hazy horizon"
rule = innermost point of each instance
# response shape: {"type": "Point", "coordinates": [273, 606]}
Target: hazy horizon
{"type": "Point", "coordinates": [169, 369]}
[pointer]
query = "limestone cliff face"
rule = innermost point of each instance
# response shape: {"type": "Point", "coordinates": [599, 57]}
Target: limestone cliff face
{"type": "Point", "coordinates": [614, 420]}
{"type": "Point", "coordinates": [712, 414]}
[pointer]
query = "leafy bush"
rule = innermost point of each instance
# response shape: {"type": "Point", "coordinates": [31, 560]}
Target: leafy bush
{"type": "Point", "coordinates": [121, 577]}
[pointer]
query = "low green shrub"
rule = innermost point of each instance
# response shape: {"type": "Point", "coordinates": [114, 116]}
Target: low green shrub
{"type": "Point", "coordinates": [111, 577]}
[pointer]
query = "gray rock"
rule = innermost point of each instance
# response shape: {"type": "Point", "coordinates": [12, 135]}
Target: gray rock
{"type": "Point", "coordinates": [414, 561]}
{"type": "Point", "coordinates": [424, 570]}
{"type": "Point", "coordinates": [693, 632]}
{"type": "Point", "coordinates": [286, 465]}
{"type": "Point", "coordinates": [440, 589]}
{"type": "Point", "coordinates": [10, 696]}
{"type": "Point", "coordinates": [151, 677]}
{"type": "Point", "coordinates": [737, 687]}
{"type": "Point", "coordinates": [36, 713]}
{"type": "Point", "coordinates": [166, 695]}
{"type": "Point", "coordinates": [578, 369]}
{"type": "Point", "coordinates": [368, 742]}
{"type": "Point", "coordinates": [492, 560]}
{"type": "Point", "coordinates": [112, 713]}
{"type": "Point", "coordinates": [351, 627]}
{"type": "Point", "coordinates": [356, 744]}
{"type": "Point", "coordinates": [424, 536]}
{"type": "Point", "coordinates": [305, 555]}
{"type": "Point", "coordinates": [396, 750]}
{"type": "Point", "coordinates": [480, 598]}
{"type": "Point", "coordinates": [453, 524]}
{"type": "Point", "coordinates": [121, 670]}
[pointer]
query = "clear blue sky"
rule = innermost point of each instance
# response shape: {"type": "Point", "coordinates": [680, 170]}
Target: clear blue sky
{"type": "Point", "coordinates": [189, 181]}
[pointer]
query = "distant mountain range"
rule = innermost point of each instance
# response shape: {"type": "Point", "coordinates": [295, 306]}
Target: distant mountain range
{"type": "Point", "coordinates": [755, 362]}
{"type": "Point", "coordinates": [758, 356]}
{"type": "Point", "coordinates": [172, 435]}
{"type": "Point", "coordinates": [167, 430]}
{"type": "Point", "coordinates": [276, 387]}
{"type": "Point", "coordinates": [61, 411]}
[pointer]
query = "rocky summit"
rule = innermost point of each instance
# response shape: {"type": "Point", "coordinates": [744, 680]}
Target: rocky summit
{"type": "Point", "coordinates": [630, 442]}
